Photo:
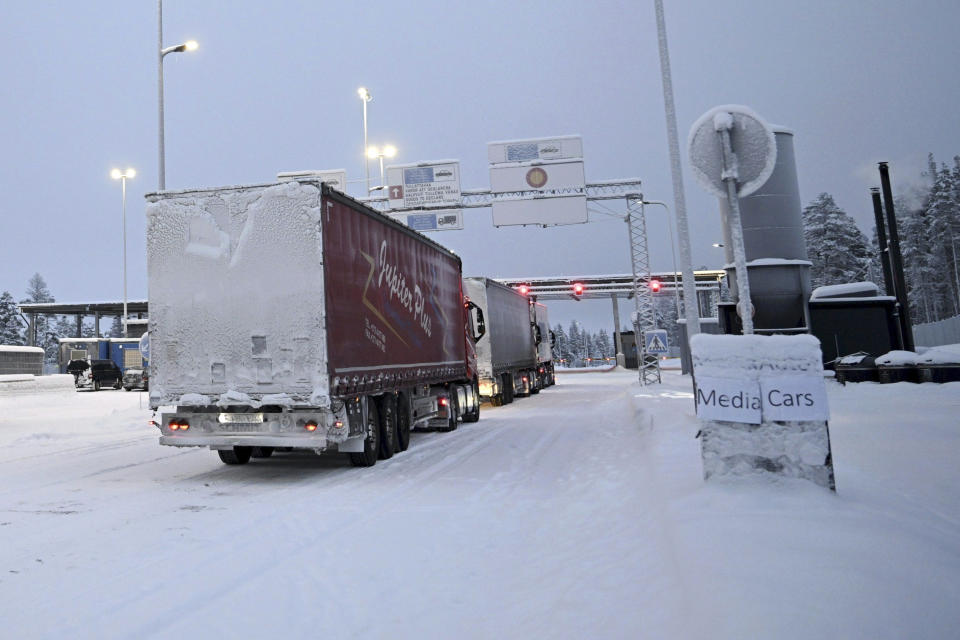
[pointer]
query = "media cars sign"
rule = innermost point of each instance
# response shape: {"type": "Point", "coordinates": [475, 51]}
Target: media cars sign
{"type": "Point", "coordinates": [776, 398]}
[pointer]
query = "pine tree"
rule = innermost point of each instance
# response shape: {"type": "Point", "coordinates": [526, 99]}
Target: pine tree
{"type": "Point", "coordinates": [561, 346]}
{"type": "Point", "coordinates": [11, 327]}
{"type": "Point", "coordinates": [604, 344]}
{"type": "Point", "coordinates": [37, 291]}
{"type": "Point", "coordinates": [835, 245]}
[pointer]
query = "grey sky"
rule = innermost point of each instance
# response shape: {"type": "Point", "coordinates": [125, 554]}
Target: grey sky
{"type": "Point", "coordinates": [273, 88]}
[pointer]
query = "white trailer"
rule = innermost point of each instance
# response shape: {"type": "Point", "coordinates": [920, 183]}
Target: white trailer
{"type": "Point", "coordinates": [507, 356]}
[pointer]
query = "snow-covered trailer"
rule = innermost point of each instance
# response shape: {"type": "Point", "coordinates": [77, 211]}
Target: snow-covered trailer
{"type": "Point", "coordinates": [507, 357]}
{"type": "Point", "coordinates": [292, 316]}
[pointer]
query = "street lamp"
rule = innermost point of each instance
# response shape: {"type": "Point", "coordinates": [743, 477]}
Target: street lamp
{"type": "Point", "coordinates": [676, 289]}
{"type": "Point", "coordinates": [122, 176]}
{"type": "Point", "coordinates": [366, 97]}
{"type": "Point", "coordinates": [386, 151]}
{"type": "Point", "coordinates": [189, 45]}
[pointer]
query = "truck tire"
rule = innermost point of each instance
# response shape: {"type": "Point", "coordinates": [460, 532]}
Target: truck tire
{"type": "Point", "coordinates": [403, 422]}
{"type": "Point", "coordinates": [371, 443]}
{"type": "Point", "coordinates": [387, 408]}
{"type": "Point", "coordinates": [96, 385]}
{"type": "Point", "coordinates": [474, 415]}
{"type": "Point", "coordinates": [507, 388]}
{"type": "Point", "coordinates": [261, 452]}
{"type": "Point", "coordinates": [237, 455]}
{"type": "Point", "coordinates": [453, 410]}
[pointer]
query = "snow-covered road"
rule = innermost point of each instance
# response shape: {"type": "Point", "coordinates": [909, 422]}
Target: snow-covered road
{"type": "Point", "coordinates": [579, 512]}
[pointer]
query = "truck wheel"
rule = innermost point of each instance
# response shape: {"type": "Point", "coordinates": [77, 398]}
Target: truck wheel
{"type": "Point", "coordinates": [453, 409]}
{"type": "Point", "coordinates": [371, 443]}
{"type": "Point", "coordinates": [96, 385]}
{"type": "Point", "coordinates": [261, 452]}
{"type": "Point", "coordinates": [117, 385]}
{"type": "Point", "coordinates": [474, 415]}
{"type": "Point", "coordinates": [507, 388]}
{"type": "Point", "coordinates": [387, 405]}
{"type": "Point", "coordinates": [403, 422]}
{"type": "Point", "coordinates": [237, 455]}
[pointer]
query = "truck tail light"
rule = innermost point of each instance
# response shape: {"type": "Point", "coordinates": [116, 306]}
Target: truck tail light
{"type": "Point", "coordinates": [442, 402]}
{"type": "Point", "coordinates": [338, 424]}
{"type": "Point", "coordinates": [179, 423]}
{"type": "Point", "coordinates": [311, 425]}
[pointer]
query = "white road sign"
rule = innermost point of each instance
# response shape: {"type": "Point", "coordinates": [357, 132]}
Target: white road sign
{"type": "Point", "coordinates": [426, 184]}
{"type": "Point", "coordinates": [534, 149]}
{"type": "Point", "coordinates": [434, 220]}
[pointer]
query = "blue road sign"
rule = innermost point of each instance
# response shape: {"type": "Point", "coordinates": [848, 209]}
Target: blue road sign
{"type": "Point", "coordinates": [655, 341]}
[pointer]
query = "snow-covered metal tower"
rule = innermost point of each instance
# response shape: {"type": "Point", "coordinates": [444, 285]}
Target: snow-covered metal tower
{"type": "Point", "coordinates": [644, 317]}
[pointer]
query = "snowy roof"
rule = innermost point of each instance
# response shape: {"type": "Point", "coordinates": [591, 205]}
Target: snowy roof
{"type": "Point", "coordinates": [6, 348]}
{"type": "Point", "coordinates": [766, 262]}
{"type": "Point", "coordinates": [848, 290]}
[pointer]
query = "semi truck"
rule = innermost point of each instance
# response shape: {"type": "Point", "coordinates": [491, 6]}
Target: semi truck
{"type": "Point", "coordinates": [291, 316]}
{"type": "Point", "coordinates": [507, 355]}
{"type": "Point", "coordinates": [545, 374]}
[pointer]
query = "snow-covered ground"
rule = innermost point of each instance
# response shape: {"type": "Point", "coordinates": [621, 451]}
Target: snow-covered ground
{"type": "Point", "coordinates": [576, 513]}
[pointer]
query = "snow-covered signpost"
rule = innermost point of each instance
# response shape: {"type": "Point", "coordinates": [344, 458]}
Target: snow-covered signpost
{"type": "Point", "coordinates": [733, 153]}
{"type": "Point", "coordinates": [761, 400]}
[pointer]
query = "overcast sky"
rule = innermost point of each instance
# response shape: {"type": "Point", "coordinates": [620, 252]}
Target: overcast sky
{"type": "Point", "coordinates": [273, 88]}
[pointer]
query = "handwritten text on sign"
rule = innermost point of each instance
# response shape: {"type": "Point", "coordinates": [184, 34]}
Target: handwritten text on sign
{"type": "Point", "coordinates": [774, 398]}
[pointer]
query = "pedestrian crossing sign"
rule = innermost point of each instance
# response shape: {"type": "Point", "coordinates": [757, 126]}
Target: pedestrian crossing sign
{"type": "Point", "coordinates": [655, 341]}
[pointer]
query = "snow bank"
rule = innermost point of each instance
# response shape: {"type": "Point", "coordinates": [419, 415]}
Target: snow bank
{"type": "Point", "coordinates": [946, 354]}
{"type": "Point", "coordinates": [21, 384]}
{"type": "Point", "coordinates": [898, 358]}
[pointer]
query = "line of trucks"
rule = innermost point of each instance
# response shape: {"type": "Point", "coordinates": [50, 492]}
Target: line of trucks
{"type": "Point", "coordinates": [290, 316]}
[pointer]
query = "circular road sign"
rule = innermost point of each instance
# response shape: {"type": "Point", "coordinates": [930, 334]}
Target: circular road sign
{"type": "Point", "coordinates": [751, 139]}
{"type": "Point", "coordinates": [536, 177]}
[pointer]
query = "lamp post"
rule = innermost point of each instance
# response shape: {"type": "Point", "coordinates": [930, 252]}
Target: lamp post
{"type": "Point", "coordinates": [122, 176]}
{"type": "Point", "coordinates": [366, 97]}
{"type": "Point", "coordinates": [676, 289]}
{"type": "Point", "coordinates": [189, 45]}
{"type": "Point", "coordinates": [386, 151]}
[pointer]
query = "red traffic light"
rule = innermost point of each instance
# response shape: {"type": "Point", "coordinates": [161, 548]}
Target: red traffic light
{"type": "Point", "coordinates": [578, 288]}
{"type": "Point", "coordinates": [655, 286]}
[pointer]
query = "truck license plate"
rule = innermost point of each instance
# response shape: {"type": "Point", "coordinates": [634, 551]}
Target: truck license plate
{"type": "Point", "coordinates": [241, 418]}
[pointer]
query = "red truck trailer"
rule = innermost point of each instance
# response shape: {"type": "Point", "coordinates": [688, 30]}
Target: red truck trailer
{"type": "Point", "coordinates": [291, 316]}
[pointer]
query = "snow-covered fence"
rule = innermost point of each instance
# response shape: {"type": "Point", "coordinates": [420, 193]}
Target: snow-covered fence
{"type": "Point", "coordinates": [934, 334]}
